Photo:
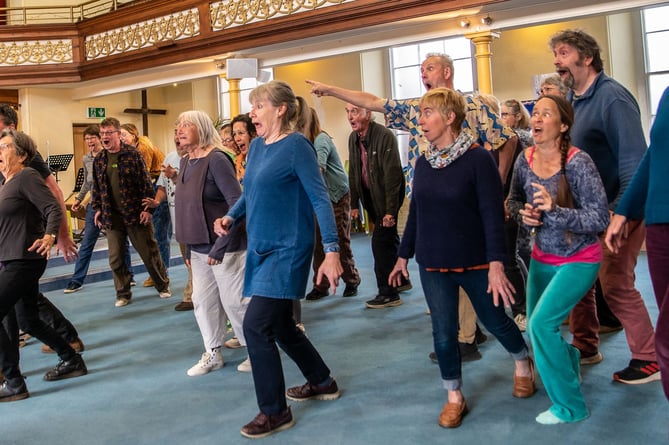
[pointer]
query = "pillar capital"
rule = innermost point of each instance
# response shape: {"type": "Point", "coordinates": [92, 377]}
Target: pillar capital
{"type": "Point", "coordinates": [482, 36]}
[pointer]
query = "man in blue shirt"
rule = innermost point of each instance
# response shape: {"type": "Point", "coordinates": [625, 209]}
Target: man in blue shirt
{"type": "Point", "coordinates": [607, 125]}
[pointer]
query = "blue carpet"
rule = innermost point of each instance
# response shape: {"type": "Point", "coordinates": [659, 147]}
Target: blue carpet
{"type": "Point", "coordinates": [137, 391]}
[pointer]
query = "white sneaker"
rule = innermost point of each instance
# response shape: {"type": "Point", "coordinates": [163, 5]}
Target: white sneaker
{"type": "Point", "coordinates": [233, 343]}
{"type": "Point", "coordinates": [244, 366]}
{"type": "Point", "coordinates": [167, 293]}
{"type": "Point", "coordinates": [120, 302]}
{"type": "Point", "coordinates": [210, 361]}
{"type": "Point", "coordinates": [521, 322]}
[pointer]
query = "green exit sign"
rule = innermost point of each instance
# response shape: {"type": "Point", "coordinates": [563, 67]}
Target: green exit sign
{"type": "Point", "coordinates": [94, 112]}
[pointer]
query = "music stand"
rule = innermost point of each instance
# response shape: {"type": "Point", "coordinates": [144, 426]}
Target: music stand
{"type": "Point", "coordinates": [59, 163]}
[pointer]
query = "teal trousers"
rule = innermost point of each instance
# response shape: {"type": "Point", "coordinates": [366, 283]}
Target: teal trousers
{"type": "Point", "coordinates": [552, 291]}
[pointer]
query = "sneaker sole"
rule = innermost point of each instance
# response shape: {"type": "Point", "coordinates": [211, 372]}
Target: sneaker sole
{"type": "Point", "coordinates": [15, 397]}
{"type": "Point", "coordinates": [650, 378]}
{"type": "Point", "coordinates": [333, 396]}
{"type": "Point", "coordinates": [213, 368]}
{"type": "Point", "coordinates": [381, 306]}
{"type": "Point", "coordinates": [597, 358]}
{"type": "Point", "coordinates": [285, 426]}
{"type": "Point", "coordinates": [71, 291]}
{"type": "Point", "coordinates": [69, 375]}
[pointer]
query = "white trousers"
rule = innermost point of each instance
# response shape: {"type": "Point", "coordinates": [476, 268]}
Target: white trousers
{"type": "Point", "coordinates": [217, 296]}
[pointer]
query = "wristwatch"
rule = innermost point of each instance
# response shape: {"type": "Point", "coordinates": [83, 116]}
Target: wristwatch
{"type": "Point", "coordinates": [331, 249]}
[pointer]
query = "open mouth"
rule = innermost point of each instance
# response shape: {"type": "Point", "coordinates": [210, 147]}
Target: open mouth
{"type": "Point", "coordinates": [428, 85]}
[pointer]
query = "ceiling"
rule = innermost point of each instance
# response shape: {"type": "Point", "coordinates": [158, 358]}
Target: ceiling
{"type": "Point", "coordinates": [505, 15]}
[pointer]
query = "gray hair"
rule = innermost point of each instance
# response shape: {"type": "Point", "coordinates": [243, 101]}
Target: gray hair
{"type": "Point", "coordinates": [207, 133]}
{"type": "Point", "coordinates": [23, 144]}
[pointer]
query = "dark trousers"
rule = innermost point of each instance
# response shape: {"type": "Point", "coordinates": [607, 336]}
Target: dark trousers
{"type": "Point", "coordinates": [511, 268]}
{"type": "Point", "coordinates": [350, 275]}
{"type": "Point", "coordinates": [269, 322]}
{"type": "Point", "coordinates": [657, 243]}
{"type": "Point", "coordinates": [19, 290]}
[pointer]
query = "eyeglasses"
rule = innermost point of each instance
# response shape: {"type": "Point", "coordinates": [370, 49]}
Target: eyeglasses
{"type": "Point", "coordinates": [227, 140]}
{"type": "Point", "coordinates": [546, 90]}
{"type": "Point", "coordinates": [5, 146]}
{"type": "Point", "coordinates": [108, 133]}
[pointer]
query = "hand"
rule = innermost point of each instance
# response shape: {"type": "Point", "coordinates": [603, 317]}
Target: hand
{"type": "Point", "coordinates": [530, 215]}
{"type": "Point", "coordinates": [150, 203]}
{"type": "Point", "coordinates": [213, 261]}
{"type": "Point", "coordinates": [67, 247]}
{"type": "Point", "coordinates": [388, 221]}
{"type": "Point", "coordinates": [317, 89]}
{"type": "Point", "coordinates": [615, 233]}
{"type": "Point", "coordinates": [542, 199]}
{"type": "Point", "coordinates": [75, 205]}
{"type": "Point", "coordinates": [170, 172]}
{"type": "Point", "coordinates": [499, 285]}
{"type": "Point", "coordinates": [330, 269]}
{"type": "Point", "coordinates": [96, 219]}
{"type": "Point", "coordinates": [222, 225]}
{"type": "Point", "coordinates": [400, 270]}
{"type": "Point", "coordinates": [355, 214]}
{"type": "Point", "coordinates": [145, 218]}
{"type": "Point", "coordinates": [43, 246]}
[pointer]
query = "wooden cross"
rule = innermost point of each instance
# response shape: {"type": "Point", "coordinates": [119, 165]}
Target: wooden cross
{"type": "Point", "coordinates": [144, 111]}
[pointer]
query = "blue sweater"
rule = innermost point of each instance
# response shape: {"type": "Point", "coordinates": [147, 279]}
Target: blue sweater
{"type": "Point", "coordinates": [456, 216]}
{"type": "Point", "coordinates": [283, 188]}
{"type": "Point", "coordinates": [650, 187]}
{"type": "Point", "coordinates": [607, 126]}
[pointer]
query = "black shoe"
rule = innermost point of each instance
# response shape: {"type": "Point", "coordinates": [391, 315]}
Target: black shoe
{"type": "Point", "coordinates": [604, 329]}
{"type": "Point", "coordinates": [350, 291]}
{"type": "Point", "coordinates": [74, 367]}
{"type": "Point", "coordinates": [382, 301]}
{"type": "Point", "coordinates": [469, 352]}
{"type": "Point", "coordinates": [433, 357]}
{"type": "Point", "coordinates": [479, 336]}
{"type": "Point", "coordinates": [316, 294]}
{"type": "Point", "coordinates": [72, 287]}
{"type": "Point", "coordinates": [263, 425]}
{"type": "Point", "coordinates": [184, 306]}
{"type": "Point", "coordinates": [405, 286]}
{"type": "Point", "coordinates": [9, 394]}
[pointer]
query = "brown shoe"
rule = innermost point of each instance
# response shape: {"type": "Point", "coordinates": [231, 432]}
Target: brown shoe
{"type": "Point", "coordinates": [523, 387]}
{"type": "Point", "coordinates": [148, 282]}
{"type": "Point", "coordinates": [452, 414]}
{"type": "Point", "coordinates": [184, 306]}
{"type": "Point", "coordinates": [264, 425]}
{"type": "Point", "coordinates": [77, 345]}
{"type": "Point", "coordinates": [309, 391]}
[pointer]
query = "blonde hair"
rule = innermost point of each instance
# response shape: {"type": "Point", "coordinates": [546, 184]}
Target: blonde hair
{"type": "Point", "coordinates": [445, 101]}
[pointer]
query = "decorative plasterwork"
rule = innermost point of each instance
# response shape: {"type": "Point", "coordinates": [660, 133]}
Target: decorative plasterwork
{"type": "Point", "coordinates": [231, 13]}
{"type": "Point", "coordinates": [35, 52]}
{"type": "Point", "coordinates": [158, 31]}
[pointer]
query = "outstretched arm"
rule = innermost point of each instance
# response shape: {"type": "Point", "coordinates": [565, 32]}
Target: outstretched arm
{"type": "Point", "coordinates": [357, 98]}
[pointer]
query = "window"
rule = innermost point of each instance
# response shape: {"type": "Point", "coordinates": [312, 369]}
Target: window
{"type": "Point", "coordinates": [656, 41]}
{"type": "Point", "coordinates": [406, 80]}
{"type": "Point", "coordinates": [245, 87]}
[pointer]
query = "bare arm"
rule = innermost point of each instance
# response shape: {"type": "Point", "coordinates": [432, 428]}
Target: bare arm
{"type": "Point", "coordinates": [65, 243]}
{"type": "Point", "coordinates": [357, 98]}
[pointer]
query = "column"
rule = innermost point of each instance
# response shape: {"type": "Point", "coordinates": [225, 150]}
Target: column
{"type": "Point", "coordinates": [235, 97]}
{"type": "Point", "coordinates": [483, 55]}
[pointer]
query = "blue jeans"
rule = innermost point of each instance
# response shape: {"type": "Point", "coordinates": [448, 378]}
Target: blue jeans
{"type": "Point", "coordinates": [441, 293]}
{"type": "Point", "coordinates": [91, 234]}
{"type": "Point", "coordinates": [162, 231]}
{"type": "Point", "coordinates": [268, 322]}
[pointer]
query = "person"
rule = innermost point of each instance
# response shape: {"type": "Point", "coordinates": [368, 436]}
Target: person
{"type": "Point", "coordinates": [48, 312]}
{"type": "Point", "coordinates": [207, 187]}
{"type": "Point", "coordinates": [558, 192]}
{"type": "Point", "coordinates": [91, 231]}
{"type": "Point", "coordinates": [515, 115]}
{"type": "Point", "coordinates": [29, 220]}
{"type": "Point", "coordinates": [607, 126]}
{"type": "Point", "coordinates": [153, 158]}
{"type": "Point", "coordinates": [336, 181]}
{"type": "Point", "coordinates": [283, 188]}
{"type": "Point", "coordinates": [165, 190]}
{"type": "Point", "coordinates": [120, 183]}
{"type": "Point", "coordinates": [243, 132]}
{"type": "Point", "coordinates": [438, 70]}
{"type": "Point", "coordinates": [649, 190]}
{"type": "Point", "coordinates": [376, 181]}
{"type": "Point", "coordinates": [456, 176]}
{"type": "Point", "coordinates": [229, 145]}
{"type": "Point", "coordinates": [552, 84]}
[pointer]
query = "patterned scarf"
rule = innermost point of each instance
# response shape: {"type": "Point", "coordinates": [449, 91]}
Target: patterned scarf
{"type": "Point", "coordinates": [441, 157]}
